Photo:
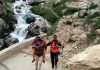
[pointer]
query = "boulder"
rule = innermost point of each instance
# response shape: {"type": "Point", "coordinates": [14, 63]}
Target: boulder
{"type": "Point", "coordinates": [44, 29]}
{"type": "Point", "coordinates": [86, 60]}
{"type": "Point", "coordinates": [2, 26]}
{"type": "Point", "coordinates": [98, 32]}
{"type": "Point", "coordinates": [12, 0]}
{"type": "Point", "coordinates": [2, 22]}
{"type": "Point", "coordinates": [82, 13]}
{"type": "Point", "coordinates": [38, 27]}
{"type": "Point", "coordinates": [14, 40]}
{"type": "Point", "coordinates": [30, 20]}
{"type": "Point", "coordinates": [18, 11]}
{"type": "Point", "coordinates": [64, 31]}
{"type": "Point", "coordinates": [75, 33]}
{"type": "Point", "coordinates": [18, 7]}
{"type": "Point", "coordinates": [97, 40]}
{"type": "Point", "coordinates": [33, 1]}
{"type": "Point", "coordinates": [10, 40]}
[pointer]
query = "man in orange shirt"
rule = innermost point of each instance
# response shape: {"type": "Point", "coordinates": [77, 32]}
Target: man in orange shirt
{"type": "Point", "coordinates": [55, 46]}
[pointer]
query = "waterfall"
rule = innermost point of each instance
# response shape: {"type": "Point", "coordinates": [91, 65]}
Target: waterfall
{"type": "Point", "coordinates": [22, 11]}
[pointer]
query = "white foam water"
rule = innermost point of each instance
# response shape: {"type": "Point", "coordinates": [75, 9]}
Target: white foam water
{"type": "Point", "coordinates": [21, 10]}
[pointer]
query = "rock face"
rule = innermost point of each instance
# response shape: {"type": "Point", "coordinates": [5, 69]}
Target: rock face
{"type": "Point", "coordinates": [1, 43]}
{"type": "Point", "coordinates": [87, 60]}
{"type": "Point", "coordinates": [32, 1]}
{"type": "Point", "coordinates": [1, 7]}
{"type": "Point", "coordinates": [2, 26]}
{"type": "Point", "coordinates": [97, 40]}
{"type": "Point", "coordinates": [81, 5]}
{"type": "Point", "coordinates": [38, 27]}
{"type": "Point", "coordinates": [30, 19]}
{"type": "Point", "coordinates": [9, 40]}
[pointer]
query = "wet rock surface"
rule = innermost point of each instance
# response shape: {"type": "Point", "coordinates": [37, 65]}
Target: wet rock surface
{"type": "Point", "coordinates": [30, 20]}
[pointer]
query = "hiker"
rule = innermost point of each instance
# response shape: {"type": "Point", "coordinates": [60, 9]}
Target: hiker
{"type": "Point", "coordinates": [55, 47]}
{"type": "Point", "coordinates": [38, 48]}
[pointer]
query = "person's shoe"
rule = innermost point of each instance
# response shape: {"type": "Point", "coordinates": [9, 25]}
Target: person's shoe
{"type": "Point", "coordinates": [52, 67]}
{"type": "Point", "coordinates": [56, 67]}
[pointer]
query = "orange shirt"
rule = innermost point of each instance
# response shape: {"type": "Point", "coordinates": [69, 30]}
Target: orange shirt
{"type": "Point", "coordinates": [54, 46]}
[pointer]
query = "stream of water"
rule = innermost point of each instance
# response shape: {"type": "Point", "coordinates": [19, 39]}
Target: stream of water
{"type": "Point", "coordinates": [22, 11]}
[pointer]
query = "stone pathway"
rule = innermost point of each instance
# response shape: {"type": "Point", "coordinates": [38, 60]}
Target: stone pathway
{"type": "Point", "coordinates": [23, 61]}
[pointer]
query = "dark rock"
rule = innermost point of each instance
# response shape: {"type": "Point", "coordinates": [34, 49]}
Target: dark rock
{"type": "Point", "coordinates": [33, 31]}
{"type": "Point", "coordinates": [10, 40]}
{"type": "Point", "coordinates": [12, 0]}
{"type": "Point", "coordinates": [35, 3]}
{"type": "Point", "coordinates": [44, 29]}
{"type": "Point", "coordinates": [24, 0]}
{"type": "Point", "coordinates": [18, 7]}
{"type": "Point", "coordinates": [36, 27]}
{"type": "Point", "coordinates": [30, 20]}
{"type": "Point", "coordinates": [1, 43]}
{"type": "Point", "coordinates": [1, 7]}
{"type": "Point", "coordinates": [18, 11]}
{"type": "Point", "coordinates": [15, 40]}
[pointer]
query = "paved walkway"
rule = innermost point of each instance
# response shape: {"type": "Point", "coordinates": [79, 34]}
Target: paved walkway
{"type": "Point", "coordinates": [23, 61]}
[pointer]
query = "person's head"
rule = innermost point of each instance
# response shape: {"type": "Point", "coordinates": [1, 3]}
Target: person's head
{"type": "Point", "coordinates": [54, 37]}
{"type": "Point", "coordinates": [37, 38]}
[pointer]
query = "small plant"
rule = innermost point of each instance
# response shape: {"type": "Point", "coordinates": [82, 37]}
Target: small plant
{"type": "Point", "coordinates": [93, 6]}
{"type": "Point", "coordinates": [93, 35]}
{"type": "Point", "coordinates": [67, 22]}
{"type": "Point", "coordinates": [51, 30]}
{"type": "Point", "coordinates": [91, 16]}
{"type": "Point", "coordinates": [70, 10]}
{"type": "Point", "coordinates": [58, 9]}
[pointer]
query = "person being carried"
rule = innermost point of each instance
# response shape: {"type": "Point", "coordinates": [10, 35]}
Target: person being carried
{"type": "Point", "coordinates": [38, 48]}
{"type": "Point", "coordinates": [55, 47]}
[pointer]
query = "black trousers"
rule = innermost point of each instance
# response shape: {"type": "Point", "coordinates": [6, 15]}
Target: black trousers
{"type": "Point", "coordinates": [54, 59]}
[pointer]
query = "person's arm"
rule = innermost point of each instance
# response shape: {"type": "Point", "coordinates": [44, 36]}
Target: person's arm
{"type": "Point", "coordinates": [44, 51]}
{"type": "Point", "coordinates": [49, 43]}
{"type": "Point", "coordinates": [60, 45]}
{"type": "Point", "coordinates": [33, 50]}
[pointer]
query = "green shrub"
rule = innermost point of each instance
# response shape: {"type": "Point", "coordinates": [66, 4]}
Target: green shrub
{"type": "Point", "coordinates": [62, 2]}
{"type": "Point", "coordinates": [51, 30]}
{"type": "Point", "coordinates": [93, 35]}
{"type": "Point", "coordinates": [67, 22]}
{"type": "Point", "coordinates": [45, 13]}
{"type": "Point", "coordinates": [93, 6]}
{"type": "Point", "coordinates": [97, 23]}
{"type": "Point", "coordinates": [58, 9]}
{"type": "Point", "coordinates": [91, 16]}
{"type": "Point", "coordinates": [70, 10]}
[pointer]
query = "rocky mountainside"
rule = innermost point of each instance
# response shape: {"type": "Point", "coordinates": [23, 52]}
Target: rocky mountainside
{"type": "Point", "coordinates": [76, 23]}
{"type": "Point", "coordinates": [7, 22]}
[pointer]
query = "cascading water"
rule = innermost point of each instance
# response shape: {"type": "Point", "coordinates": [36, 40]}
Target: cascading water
{"type": "Point", "coordinates": [22, 10]}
